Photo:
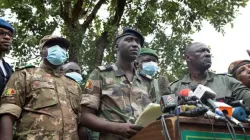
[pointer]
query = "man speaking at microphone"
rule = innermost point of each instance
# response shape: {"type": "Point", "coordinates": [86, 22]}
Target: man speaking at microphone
{"type": "Point", "coordinates": [198, 58]}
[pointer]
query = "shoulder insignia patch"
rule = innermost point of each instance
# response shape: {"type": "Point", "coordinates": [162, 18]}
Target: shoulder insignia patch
{"type": "Point", "coordinates": [105, 68]}
{"type": "Point", "coordinates": [89, 85]}
{"type": "Point", "coordinates": [9, 92]}
{"type": "Point", "coordinates": [25, 67]}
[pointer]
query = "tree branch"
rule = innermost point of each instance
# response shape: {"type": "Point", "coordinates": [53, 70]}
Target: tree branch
{"type": "Point", "coordinates": [92, 15]}
{"type": "Point", "coordinates": [119, 12]}
{"type": "Point", "coordinates": [64, 8]}
{"type": "Point", "coordinates": [77, 10]}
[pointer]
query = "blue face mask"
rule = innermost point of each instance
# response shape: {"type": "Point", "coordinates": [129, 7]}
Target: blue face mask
{"type": "Point", "coordinates": [56, 55]}
{"type": "Point", "coordinates": [76, 76]}
{"type": "Point", "coordinates": [149, 68]}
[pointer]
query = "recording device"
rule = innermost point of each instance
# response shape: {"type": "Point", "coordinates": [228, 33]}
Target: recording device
{"type": "Point", "coordinates": [212, 115]}
{"type": "Point", "coordinates": [168, 103]}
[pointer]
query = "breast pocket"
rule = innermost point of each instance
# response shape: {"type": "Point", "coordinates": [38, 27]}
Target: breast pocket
{"type": "Point", "coordinates": [43, 95]}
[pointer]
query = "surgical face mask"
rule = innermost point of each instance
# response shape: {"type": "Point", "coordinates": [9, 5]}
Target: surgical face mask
{"type": "Point", "coordinates": [56, 55]}
{"type": "Point", "coordinates": [76, 76]}
{"type": "Point", "coordinates": [149, 68]}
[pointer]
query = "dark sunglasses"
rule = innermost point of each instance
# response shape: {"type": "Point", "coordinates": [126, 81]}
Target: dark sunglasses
{"type": "Point", "coordinates": [3, 33]}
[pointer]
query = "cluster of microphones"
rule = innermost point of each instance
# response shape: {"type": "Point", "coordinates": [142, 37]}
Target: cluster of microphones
{"type": "Point", "coordinates": [201, 102]}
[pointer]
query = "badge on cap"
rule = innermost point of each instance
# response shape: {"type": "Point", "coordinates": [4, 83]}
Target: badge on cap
{"type": "Point", "coordinates": [89, 85]}
{"type": "Point", "coordinates": [9, 92]}
{"type": "Point", "coordinates": [231, 67]}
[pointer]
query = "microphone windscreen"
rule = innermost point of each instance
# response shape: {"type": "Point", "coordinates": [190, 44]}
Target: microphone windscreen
{"type": "Point", "coordinates": [239, 113]}
{"type": "Point", "coordinates": [185, 92]}
{"type": "Point", "coordinates": [164, 85]}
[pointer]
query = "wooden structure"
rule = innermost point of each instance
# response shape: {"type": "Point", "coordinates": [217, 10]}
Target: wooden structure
{"type": "Point", "coordinates": [191, 129]}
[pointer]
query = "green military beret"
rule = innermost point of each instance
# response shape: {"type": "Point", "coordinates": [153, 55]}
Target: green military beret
{"type": "Point", "coordinates": [149, 52]}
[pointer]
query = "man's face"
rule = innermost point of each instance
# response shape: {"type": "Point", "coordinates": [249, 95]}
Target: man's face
{"type": "Point", "coordinates": [199, 57]}
{"type": "Point", "coordinates": [243, 74]}
{"type": "Point", "coordinates": [146, 58]}
{"type": "Point", "coordinates": [71, 67]}
{"type": "Point", "coordinates": [44, 52]}
{"type": "Point", "coordinates": [129, 47]}
{"type": "Point", "coordinates": [5, 39]}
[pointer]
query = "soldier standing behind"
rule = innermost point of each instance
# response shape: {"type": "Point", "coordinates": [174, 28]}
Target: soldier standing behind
{"type": "Point", "coordinates": [117, 94]}
{"type": "Point", "coordinates": [42, 101]}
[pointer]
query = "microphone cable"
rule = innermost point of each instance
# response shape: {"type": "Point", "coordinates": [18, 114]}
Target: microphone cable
{"type": "Point", "coordinates": [165, 128]}
{"type": "Point", "coordinates": [233, 132]}
{"type": "Point", "coordinates": [230, 132]}
{"type": "Point", "coordinates": [209, 120]}
{"type": "Point", "coordinates": [178, 120]}
{"type": "Point", "coordinates": [240, 125]}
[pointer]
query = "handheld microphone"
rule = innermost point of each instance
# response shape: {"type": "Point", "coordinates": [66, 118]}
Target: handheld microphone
{"type": "Point", "coordinates": [212, 115]}
{"type": "Point", "coordinates": [225, 108]}
{"type": "Point", "coordinates": [186, 99]}
{"type": "Point", "coordinates": [198, 111]}
{"type": "Point", "coordinates": [168, 103]}
{"type": "Point", "coordinates": [205, 93]}
{"type": "Point", "coordinates": [237, 103]}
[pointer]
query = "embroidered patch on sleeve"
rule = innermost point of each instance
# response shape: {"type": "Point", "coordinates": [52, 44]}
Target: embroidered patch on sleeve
{"type": "Point", "coordinates": [89, 85]}
{"type": "Point", "coordinates": [9, 92]}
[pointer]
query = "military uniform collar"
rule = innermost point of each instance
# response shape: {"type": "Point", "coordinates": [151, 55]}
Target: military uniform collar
{"type": "Point", "coordinates": [187, 79]}
{"type": "Point", "coordinates": [119, 72]}
{"type": "Point", "coordinates": [57, 72]}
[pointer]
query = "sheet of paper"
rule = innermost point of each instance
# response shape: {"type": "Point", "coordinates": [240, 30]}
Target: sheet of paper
{"type": "Point", "coordinates": [149, 115]}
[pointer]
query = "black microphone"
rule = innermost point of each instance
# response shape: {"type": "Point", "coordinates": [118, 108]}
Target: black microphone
{"type": "Point", "coordinates": [198, 111]}
{"type": "Point", "coordinates": [168, 103]}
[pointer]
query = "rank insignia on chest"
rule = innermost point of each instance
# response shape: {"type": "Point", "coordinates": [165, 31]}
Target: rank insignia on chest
{"type": "Point", "coordinates": [9, 92]}
{"type": "Point", "coordinates": [89, 85]}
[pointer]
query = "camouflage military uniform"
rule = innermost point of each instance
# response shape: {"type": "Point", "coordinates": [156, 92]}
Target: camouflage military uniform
{"type": "Point", "coordinates": [45, 102]}
{"type": "Point", "coordinates": [115, 98]}
{"type": "Point", "coordinates": [223, 85]}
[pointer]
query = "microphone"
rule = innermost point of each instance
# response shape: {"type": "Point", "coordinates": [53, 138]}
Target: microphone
{"type": "Point", "coordinates": [225, 108]}
{"type": "Point", "coordinates": [168, 103]}
{"type": "Point", "coordinates": [205, 93]}
{"type": "Point", "coordinates": [198, 111]}
{"type": "Point", "coordinates": [239, 113]}
{"type": "Point", "coordinates": [163, 84]}
{"type": "Point", "coordinates": [231, 101]}
{"type": "Point", "coordinates": [237, 103]}
{"type": "Point", "coordinates": [212, 115]}
{"type": "Point", "coordinates": [186, 99]}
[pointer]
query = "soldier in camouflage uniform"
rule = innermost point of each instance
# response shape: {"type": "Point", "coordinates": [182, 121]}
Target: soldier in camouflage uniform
{"type": "Point", "coordinates": [117, 93]}
{"type": "Point", "coordinates": [148, 60]}
{"type": "Point", "coordinates": [198, 58]}
{"type": "Point", "coordinates": [41, 100]}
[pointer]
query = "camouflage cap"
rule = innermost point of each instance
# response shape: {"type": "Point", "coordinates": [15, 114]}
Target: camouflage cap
{"type": "Point", "coordinates": [149, 52]}
{"type": "Point", "coordinates": [129, 31]}
{"type": "Point", "coordinates": [62, 42]}
{"type": "Point", "coordinates": [235, 65]}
